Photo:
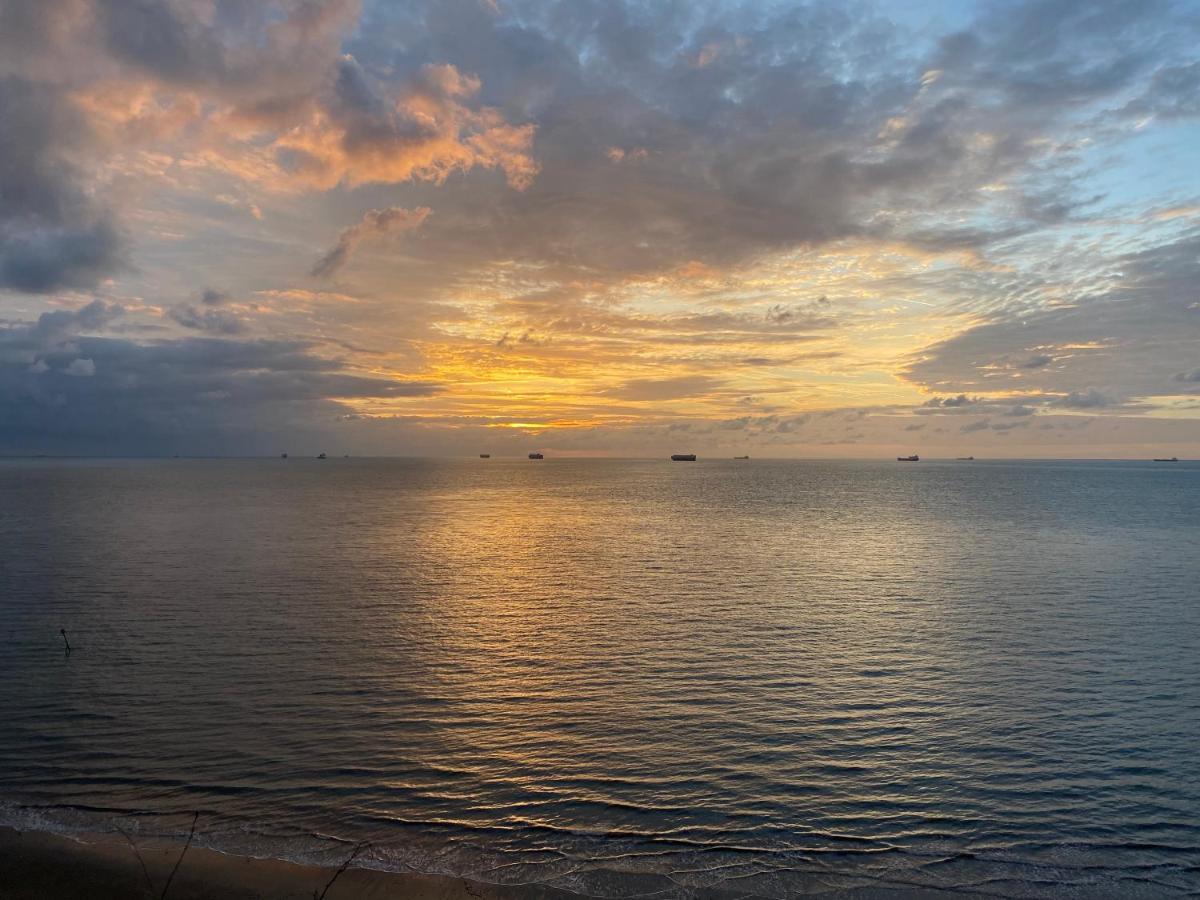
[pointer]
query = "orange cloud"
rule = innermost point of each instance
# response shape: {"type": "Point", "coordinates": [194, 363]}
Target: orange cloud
{"type": "Point", "coordinates": [426, 133]}
{"type": "Point", "coordinates": [315, 138]}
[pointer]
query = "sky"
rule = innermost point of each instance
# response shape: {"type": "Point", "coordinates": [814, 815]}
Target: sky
{"type": "Point", "coordinates": [599, 227]}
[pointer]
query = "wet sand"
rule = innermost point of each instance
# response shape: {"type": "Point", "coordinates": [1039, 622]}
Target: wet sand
{"type": "Point", "coordinates": [105, 867]}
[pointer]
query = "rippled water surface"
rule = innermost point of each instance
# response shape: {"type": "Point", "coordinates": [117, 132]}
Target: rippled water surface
{"type": "Point", "coordinates": [622, 678]}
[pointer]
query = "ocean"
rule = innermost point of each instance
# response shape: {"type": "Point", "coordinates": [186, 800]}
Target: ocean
{"type": "Point", "coordinates": [623, 678]}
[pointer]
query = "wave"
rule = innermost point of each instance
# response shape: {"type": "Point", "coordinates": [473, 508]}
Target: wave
{"type": "Point", "coordinates": [628, 863]}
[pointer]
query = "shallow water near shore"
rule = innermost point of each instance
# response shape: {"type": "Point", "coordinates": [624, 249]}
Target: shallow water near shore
{"type": "Point", "coordinates": [622, 678]}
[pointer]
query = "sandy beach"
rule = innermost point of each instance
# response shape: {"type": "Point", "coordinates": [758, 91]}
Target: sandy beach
{"type": "Point", "coordinates": [42, 866]}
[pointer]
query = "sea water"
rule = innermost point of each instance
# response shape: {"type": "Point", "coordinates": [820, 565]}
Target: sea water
{"type": "Point", "coordinates": [624, 678]}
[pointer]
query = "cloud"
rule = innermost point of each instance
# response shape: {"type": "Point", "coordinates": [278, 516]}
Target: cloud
{"type": "Point", "coordinates": [211, 314]}
{"type": "Point", "coordinates": [62, 390]}
{"type": "Point", "coordinates": [809, 126]}
{"type": "Point", "coordinates": [1089, 399]}
{"type": "Point", "coordinates": [636, 204]}
{"type": "Point", "coordinates": [258, 91]}
{"type": "Point", "coordinates": [1129, 335]}
{"type": "Point", "coordinates": [962, 400]}
{"type": "Point", "coordinates": [55, 331]}
{"type": "Point", "coordinates": [816, 312]}
{"type": "Point", "coordinates": [81, 367]}
{"type": "Point", "coordinates": [681, 387]}
{"type": "Point", "coordinates": [214, 321]}
{"type": "Point", "coordinates": [1004, 427]}
{"type": "Point", "coordinates": [802, 127]}
{"type": "Point", "coordinates": [55, 232]}
{"type": "Point", "coordinates": [425, 129]}
{"type": "Point", "coordinates": [374, 223]}
{"type": "Point", "coordinates": [1173, 93]}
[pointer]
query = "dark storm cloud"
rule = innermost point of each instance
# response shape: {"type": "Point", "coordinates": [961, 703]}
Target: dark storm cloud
{"type": "Point", "coordinates": [53, 232]}
{"type": "Point", "coordinates": [62, 390]}
{"type": "Point", "coordinates": [22, 345]}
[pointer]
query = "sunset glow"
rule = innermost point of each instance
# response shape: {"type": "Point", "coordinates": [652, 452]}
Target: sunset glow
{"type": "Point", "coordinates": [438, 228]}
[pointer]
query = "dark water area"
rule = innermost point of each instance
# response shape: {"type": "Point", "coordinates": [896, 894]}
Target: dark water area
{"type": "Point", "coordinates": [621, 678]}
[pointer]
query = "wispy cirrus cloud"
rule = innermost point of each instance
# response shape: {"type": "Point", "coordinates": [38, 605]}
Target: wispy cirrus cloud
{"type": "Point", "coordinates": [1128, 340]}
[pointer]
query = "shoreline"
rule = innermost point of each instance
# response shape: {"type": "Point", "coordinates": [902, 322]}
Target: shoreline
{"type": "Point", "coordinates": [42, 865]}
{"type": "Point", "coordinates": [51, 865]}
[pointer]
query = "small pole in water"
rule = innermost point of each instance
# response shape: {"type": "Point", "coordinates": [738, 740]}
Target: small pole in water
{"type": "Point", "coordinates": [63, 632]}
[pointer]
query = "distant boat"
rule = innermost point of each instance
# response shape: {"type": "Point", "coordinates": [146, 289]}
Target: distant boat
{"type": "Point", "coordinates": [321, 456]}
{"type": "Point", "coordinates": [741, 457]}
{"type": "Point", "coordinates": [536, 456]}
{"type": "Point", "coordinates": [913, 458]}
{"type": "Point", "coordinates": [283, 456]}
{"type": "Point", "coordinates": [966, 458]}
{"type": "Point", "coordinates": [1172, 459]}
{"type": "Point", "coordinates": [683, 457]}
{"type": "Point", "coordinates": [485, 456]}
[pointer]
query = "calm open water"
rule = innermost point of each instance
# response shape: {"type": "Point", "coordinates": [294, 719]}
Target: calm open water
{"type": "Point", "coordinates": [622, 678]}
